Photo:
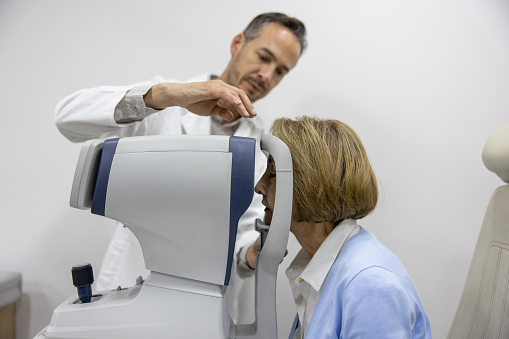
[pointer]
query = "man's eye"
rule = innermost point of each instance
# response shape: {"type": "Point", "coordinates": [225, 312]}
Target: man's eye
{"type": "Point", "coordinates": [263, 58]}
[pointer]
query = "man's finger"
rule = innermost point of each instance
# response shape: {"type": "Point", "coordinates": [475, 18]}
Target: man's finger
{"type": "Point", "coordinates": [247, 103]}
{"type": "Point", "coordinates": [235, 105]}
{"type": "Point", "coordinates": [241, 101]}
{"type": "Point", "coordinates": [237, 98]}
{"type": "Point", "coordinates": [222, 112]}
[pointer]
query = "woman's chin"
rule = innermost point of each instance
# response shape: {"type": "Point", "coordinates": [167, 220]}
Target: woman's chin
{"type": "Point", "coordinates": [267, 218]}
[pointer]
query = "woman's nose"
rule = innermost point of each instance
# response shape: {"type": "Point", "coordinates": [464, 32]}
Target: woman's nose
{"type": "Point", "coordinates": [259, 188]}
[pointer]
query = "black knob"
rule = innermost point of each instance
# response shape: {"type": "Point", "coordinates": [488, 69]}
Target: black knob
{"type": "Point", "coordinates": [82, 278]}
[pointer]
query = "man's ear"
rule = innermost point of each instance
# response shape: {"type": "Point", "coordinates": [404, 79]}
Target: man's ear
{"type": "Point", "coordinates": [237, 43]}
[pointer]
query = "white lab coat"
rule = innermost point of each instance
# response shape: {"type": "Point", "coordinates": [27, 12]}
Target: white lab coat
{"type": "Point", "coordinates": [88, 114]}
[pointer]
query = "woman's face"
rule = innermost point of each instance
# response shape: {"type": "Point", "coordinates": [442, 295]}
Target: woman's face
{"type": "Point", "coordinates": [267, 188]}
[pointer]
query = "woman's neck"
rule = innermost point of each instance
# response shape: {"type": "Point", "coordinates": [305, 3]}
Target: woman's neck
{"type": "Point", "coordinates": [311, 235]}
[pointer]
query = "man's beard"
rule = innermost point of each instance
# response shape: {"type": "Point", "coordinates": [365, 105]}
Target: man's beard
{"type": "Point", "coordinates": [233, 79]}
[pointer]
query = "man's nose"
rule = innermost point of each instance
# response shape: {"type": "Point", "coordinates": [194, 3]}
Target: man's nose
{"type": "Point", "coordinates": [266, 73]}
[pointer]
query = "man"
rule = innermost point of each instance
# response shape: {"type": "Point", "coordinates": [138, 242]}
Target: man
{"type": "Point", "coordinates": [261, 56]}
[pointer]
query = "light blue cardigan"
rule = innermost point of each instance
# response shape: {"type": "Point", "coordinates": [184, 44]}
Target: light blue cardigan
{"type": "Point", "coordinates": [368, 294]}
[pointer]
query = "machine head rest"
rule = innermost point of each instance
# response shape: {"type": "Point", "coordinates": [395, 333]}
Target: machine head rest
{"type": "Point", "coordinates": [495, 154]}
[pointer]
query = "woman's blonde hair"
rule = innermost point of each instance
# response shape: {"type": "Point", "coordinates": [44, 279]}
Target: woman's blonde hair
{"type": "Point", "coordinates": [332, 177]}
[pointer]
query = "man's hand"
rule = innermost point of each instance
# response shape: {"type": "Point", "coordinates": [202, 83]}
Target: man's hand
{"type": "Point", "coordinates": [251, 255]}
{"type": "Point", "coordinates": [207, 98]}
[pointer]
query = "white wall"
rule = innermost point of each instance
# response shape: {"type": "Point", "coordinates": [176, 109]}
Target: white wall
{"type": "Point", "coordinates": [424, 83]}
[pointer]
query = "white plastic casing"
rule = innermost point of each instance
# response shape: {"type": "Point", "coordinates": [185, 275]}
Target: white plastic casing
{"type": "Point", "coordinates": [174, 194]}
{"type": "Point", "coordinates": [170, 225]}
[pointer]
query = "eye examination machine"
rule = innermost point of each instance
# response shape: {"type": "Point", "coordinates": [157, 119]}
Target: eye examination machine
{"type": "Point", "coordinates": [182, 197]}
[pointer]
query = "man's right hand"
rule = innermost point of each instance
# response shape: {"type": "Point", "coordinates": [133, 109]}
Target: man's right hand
{"type": "Point", "coordinates": [251, 255]}
{"type": "Point", "coordinates": [207, 98]}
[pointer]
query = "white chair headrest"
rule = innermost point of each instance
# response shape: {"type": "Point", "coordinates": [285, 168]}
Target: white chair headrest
{"type": "Point", "coordinates": [495, 154]}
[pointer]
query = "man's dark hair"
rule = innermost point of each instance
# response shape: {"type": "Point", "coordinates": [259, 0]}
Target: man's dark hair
{"type": "Point", "coordinates": [294, 25]}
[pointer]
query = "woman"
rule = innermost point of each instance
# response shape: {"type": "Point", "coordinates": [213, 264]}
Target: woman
{"type": "Point", "coordinates": [345, 283]}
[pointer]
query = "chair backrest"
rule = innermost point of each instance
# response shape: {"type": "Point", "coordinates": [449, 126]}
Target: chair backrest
{"type": "Point", "coordinates": [483, 311]}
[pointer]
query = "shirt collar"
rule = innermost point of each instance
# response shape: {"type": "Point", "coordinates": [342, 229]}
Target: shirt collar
{"type": "Point", "coordinates": [317, 269]}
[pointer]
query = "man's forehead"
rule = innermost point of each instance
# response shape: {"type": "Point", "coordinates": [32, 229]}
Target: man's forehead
{"type": "Point", "coordinates": [280, 42]}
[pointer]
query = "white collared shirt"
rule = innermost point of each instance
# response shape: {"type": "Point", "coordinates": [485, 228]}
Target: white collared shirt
{"type": "Point", "coordinates": [218, 128]}
{"type": "Point", "coordinates": [307, 275]}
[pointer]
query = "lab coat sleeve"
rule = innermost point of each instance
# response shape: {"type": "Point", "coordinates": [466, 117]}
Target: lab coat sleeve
{"type": "Point", "coordinates": [89, 113]}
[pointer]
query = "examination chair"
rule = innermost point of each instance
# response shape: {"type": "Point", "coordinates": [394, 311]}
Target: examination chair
{"type": "Point", "coordinates": [10, 292]}
{"type": "Point", "coordinates": [182, 197]}
{"type": "Point", "coordinates": [483, 311]}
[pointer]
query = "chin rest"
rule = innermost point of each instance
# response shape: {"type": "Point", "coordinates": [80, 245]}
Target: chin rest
{"type": "Point", "coordinates": [483, 311]}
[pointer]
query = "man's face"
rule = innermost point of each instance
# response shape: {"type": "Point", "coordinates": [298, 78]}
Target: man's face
{"type": "Point", "coordinates": [266, 186]}
{"type": "Point", "coordinates": [259, 65]}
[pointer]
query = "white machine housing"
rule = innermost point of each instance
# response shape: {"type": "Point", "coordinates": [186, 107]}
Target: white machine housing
{"type": "Point", "coordinates": [182, 197]}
